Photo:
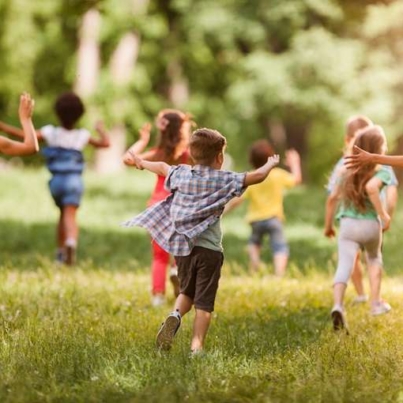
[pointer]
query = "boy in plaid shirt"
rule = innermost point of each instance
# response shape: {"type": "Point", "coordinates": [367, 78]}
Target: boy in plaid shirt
{"type": "Point", "coordinates": [187, 225]}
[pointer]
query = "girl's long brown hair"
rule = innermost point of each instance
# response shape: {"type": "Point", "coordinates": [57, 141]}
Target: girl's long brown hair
{"type": "Point", "coordinates": [174, 134]}
{"type": "Point", "coordinates": [372, 140]}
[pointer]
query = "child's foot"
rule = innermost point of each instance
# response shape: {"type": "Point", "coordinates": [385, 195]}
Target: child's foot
{"type": "Point", "coordinates": [380, 308]}
{"type": "Point", "coordinates": [70, 246]}
{"type": "Point", "coordinates": [173, 277]}
{"type": "Point", "coordinates": [70, 255]}
{"type": "Point", "coordinates": [360, 299]}
{"type": "Point", "coordinates": [168, 330]}
{"type": "Point", "coordinates": [60, 256]}
{"type": "Point", "coordinates": [158, 300]}
{"type": "Point", "coordinates": [338, 318]}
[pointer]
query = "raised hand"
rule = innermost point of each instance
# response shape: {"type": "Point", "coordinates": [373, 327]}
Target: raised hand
{"type": "Point", "coordinates": [144, 132]}
{"type": "Point", "coordinates": [26, 107]}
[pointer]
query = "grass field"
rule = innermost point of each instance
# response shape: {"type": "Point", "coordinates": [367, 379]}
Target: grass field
{"type": "Point", "coordinates": [87, 334]}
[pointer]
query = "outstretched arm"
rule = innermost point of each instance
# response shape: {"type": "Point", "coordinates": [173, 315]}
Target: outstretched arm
{"type": "Point", "coordinates": [331, 205]}
{"type": "Point", "coordinates": [157, 167]}
{"type": "Point", "coordinates": [260, 174]}
{"type": "Point", "coordinates": [361, 158]}
{"type": "Point", "coordinates": [233, 203]}
{"type": "Point", "coordinates": [372, 187]}
{"type": "Point", "coordinates": [103, 140]}
{"type": "Point", "coordinates": [30, 143]}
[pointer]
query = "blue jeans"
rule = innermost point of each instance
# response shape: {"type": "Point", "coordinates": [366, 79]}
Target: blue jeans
{"type": "Point", "coordinates": [272, 227]}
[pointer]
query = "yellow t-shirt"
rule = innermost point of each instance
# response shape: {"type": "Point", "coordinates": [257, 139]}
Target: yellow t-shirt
{"type": "Point", "coordinates": [266, 198]}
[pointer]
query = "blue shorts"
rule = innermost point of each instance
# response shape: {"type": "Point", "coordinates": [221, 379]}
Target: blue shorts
{"type": "Point", "coordinates": [272, 227]}
{"type": "Point", "coordinates": [66, 189]}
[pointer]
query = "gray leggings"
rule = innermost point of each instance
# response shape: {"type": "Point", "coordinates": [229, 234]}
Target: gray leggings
{"type": "Point", "coordinates": [355, 234]}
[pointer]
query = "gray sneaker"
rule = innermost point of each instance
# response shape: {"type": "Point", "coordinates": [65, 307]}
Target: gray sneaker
{"type": "Point", "coordinates": [168, 330]}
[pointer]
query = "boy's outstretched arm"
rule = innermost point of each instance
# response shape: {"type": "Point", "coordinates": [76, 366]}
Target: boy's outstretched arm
{"type": "Point", "coordinates": [30, 143]}
{"type": "Point", "coordinates": [103, 141]}
{"type": "Point", "coordinates": [157, 167]}
{"type": "Point", "coordinates": [235, 202]}
{"type": "Point", "coordinates": [361, 158]}
{"type": "Point", "coordinates": [260, 174]}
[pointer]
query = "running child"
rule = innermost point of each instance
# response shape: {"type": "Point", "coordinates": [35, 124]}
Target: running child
{"type": "Point", "coordinates": [65, 161]}
{"type": "Point", "coordinates": [265, 212]}
{"type": "Point", "coordinates": [362, 220]}
{"type": "Point", "coordinates": [187, 225]}
{"type": "Point", "coordinates": [172, 148]}
{"type": "Point", "coordinates": [389, 193]}
{"type": "Point", "coordinates": [29, 145]}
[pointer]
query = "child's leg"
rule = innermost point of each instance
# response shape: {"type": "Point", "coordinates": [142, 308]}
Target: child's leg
{"type": "Point", "coordinates": [280, 263]}
{"type": "Point", "coordinates": [200, 327]}
{"type": "Point", "coordinates": [71, 232]}
{"type": "Point", "coordinates": [375, 278]}
{"type": "Point", "coordinates": [61, 235]}
{"type": "Point", "coordinates": [254, 257]}
{"type": "Point", "coordinates": [183, 304]}
{"type": "Point", "coordinates": [278, 245]}
{"type": "Point", "coordinates": [356, 276]}
{"type": "Point", "coordinates": [158, 268]}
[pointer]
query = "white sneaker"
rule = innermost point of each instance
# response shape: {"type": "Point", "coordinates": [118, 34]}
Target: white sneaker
{"type": "Point", "coordinates": [168, 330]}
{"type": "Point", "coordinates": [380, 308]}
{"type": "Point", "coordinates": [360, 299]}
{"type": "Point", "coordinates": [158, 300]}
{"type": "Point", "coordinates": [339, 318]}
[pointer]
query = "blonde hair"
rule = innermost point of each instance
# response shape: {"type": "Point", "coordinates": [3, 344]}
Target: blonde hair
{"type": "Point", "coordinates": [371, 139]}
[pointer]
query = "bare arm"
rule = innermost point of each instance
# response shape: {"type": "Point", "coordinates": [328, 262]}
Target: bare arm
{"type": "Point", "coordinates": [331, 205]}
{"type": "Point", "coordinates": [293, 160]}
{"type": "Point", "coordinates": [372, 188]}
{"type": "Point", "coordinates": [103, 140]}
{"type": "Point", "coordinates": [144, 137]}
{"type": "Point", "coordinates": [260, 174]}
{"type": "Point", "coordinates": [30, 143]}
{"type": "Point", "coordinates": [391, 199]}
{"type": "Point", "coordinates": [157, 167]}
{"type": "Point", "coordinates": [233, 203]}
{"type": "Point", "coordinates": [361, 158]}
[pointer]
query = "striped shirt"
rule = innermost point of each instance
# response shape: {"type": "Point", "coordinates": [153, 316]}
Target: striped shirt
{"type": "Point", "coordinates": [197, 200]}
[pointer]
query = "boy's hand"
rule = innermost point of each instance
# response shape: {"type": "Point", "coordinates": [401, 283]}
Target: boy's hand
{"type": "Point", "coordinates": [134, 160]}
{"type": "Point", "coordinates": [358, 159]}
{"type": "Point", "coordinates": [26, 107]}
{"type": "Point", "coordinates": [273, 160]}
{"type": "Point", "coordinates": [144, 132]}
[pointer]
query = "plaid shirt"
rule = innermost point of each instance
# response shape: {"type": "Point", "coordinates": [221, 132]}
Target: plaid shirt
{"type": "Point", "coordinates": [198, 197]}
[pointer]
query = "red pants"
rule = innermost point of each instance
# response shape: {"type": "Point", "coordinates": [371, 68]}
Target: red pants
{"type": "Point", "coordinates": [159, 268]}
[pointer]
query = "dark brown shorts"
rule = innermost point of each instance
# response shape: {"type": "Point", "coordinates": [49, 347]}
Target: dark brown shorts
{"type": "Point", "coordinates": [199, 274]}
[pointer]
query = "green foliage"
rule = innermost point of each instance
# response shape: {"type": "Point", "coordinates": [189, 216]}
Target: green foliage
{"type": "Point", "coordinates": [307, 64]}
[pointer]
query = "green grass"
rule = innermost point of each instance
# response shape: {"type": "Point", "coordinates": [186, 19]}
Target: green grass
{"type": "Point", "coordinates": [87, 334]}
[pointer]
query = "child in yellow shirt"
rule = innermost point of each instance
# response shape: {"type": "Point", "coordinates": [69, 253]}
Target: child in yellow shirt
{"type": "Point", "coordinates": [265, 211]}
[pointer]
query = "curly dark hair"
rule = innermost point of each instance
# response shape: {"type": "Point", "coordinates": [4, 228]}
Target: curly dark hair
{"type": "Point", "coordinates": [69, 108]}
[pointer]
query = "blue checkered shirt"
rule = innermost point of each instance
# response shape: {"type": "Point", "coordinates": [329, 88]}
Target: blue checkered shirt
{"type": "Point", "coordinates": [197, 200]}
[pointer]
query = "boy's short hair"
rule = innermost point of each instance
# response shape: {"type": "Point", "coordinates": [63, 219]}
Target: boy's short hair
{"type": "Point", "coordinates": [355, 123]}
{"type": "Point", "coordinates": [259, 152]}
{"type": "Point", "coordinates": [69, 108]}
{"type": "Point", "coordinates": [205, 145]}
